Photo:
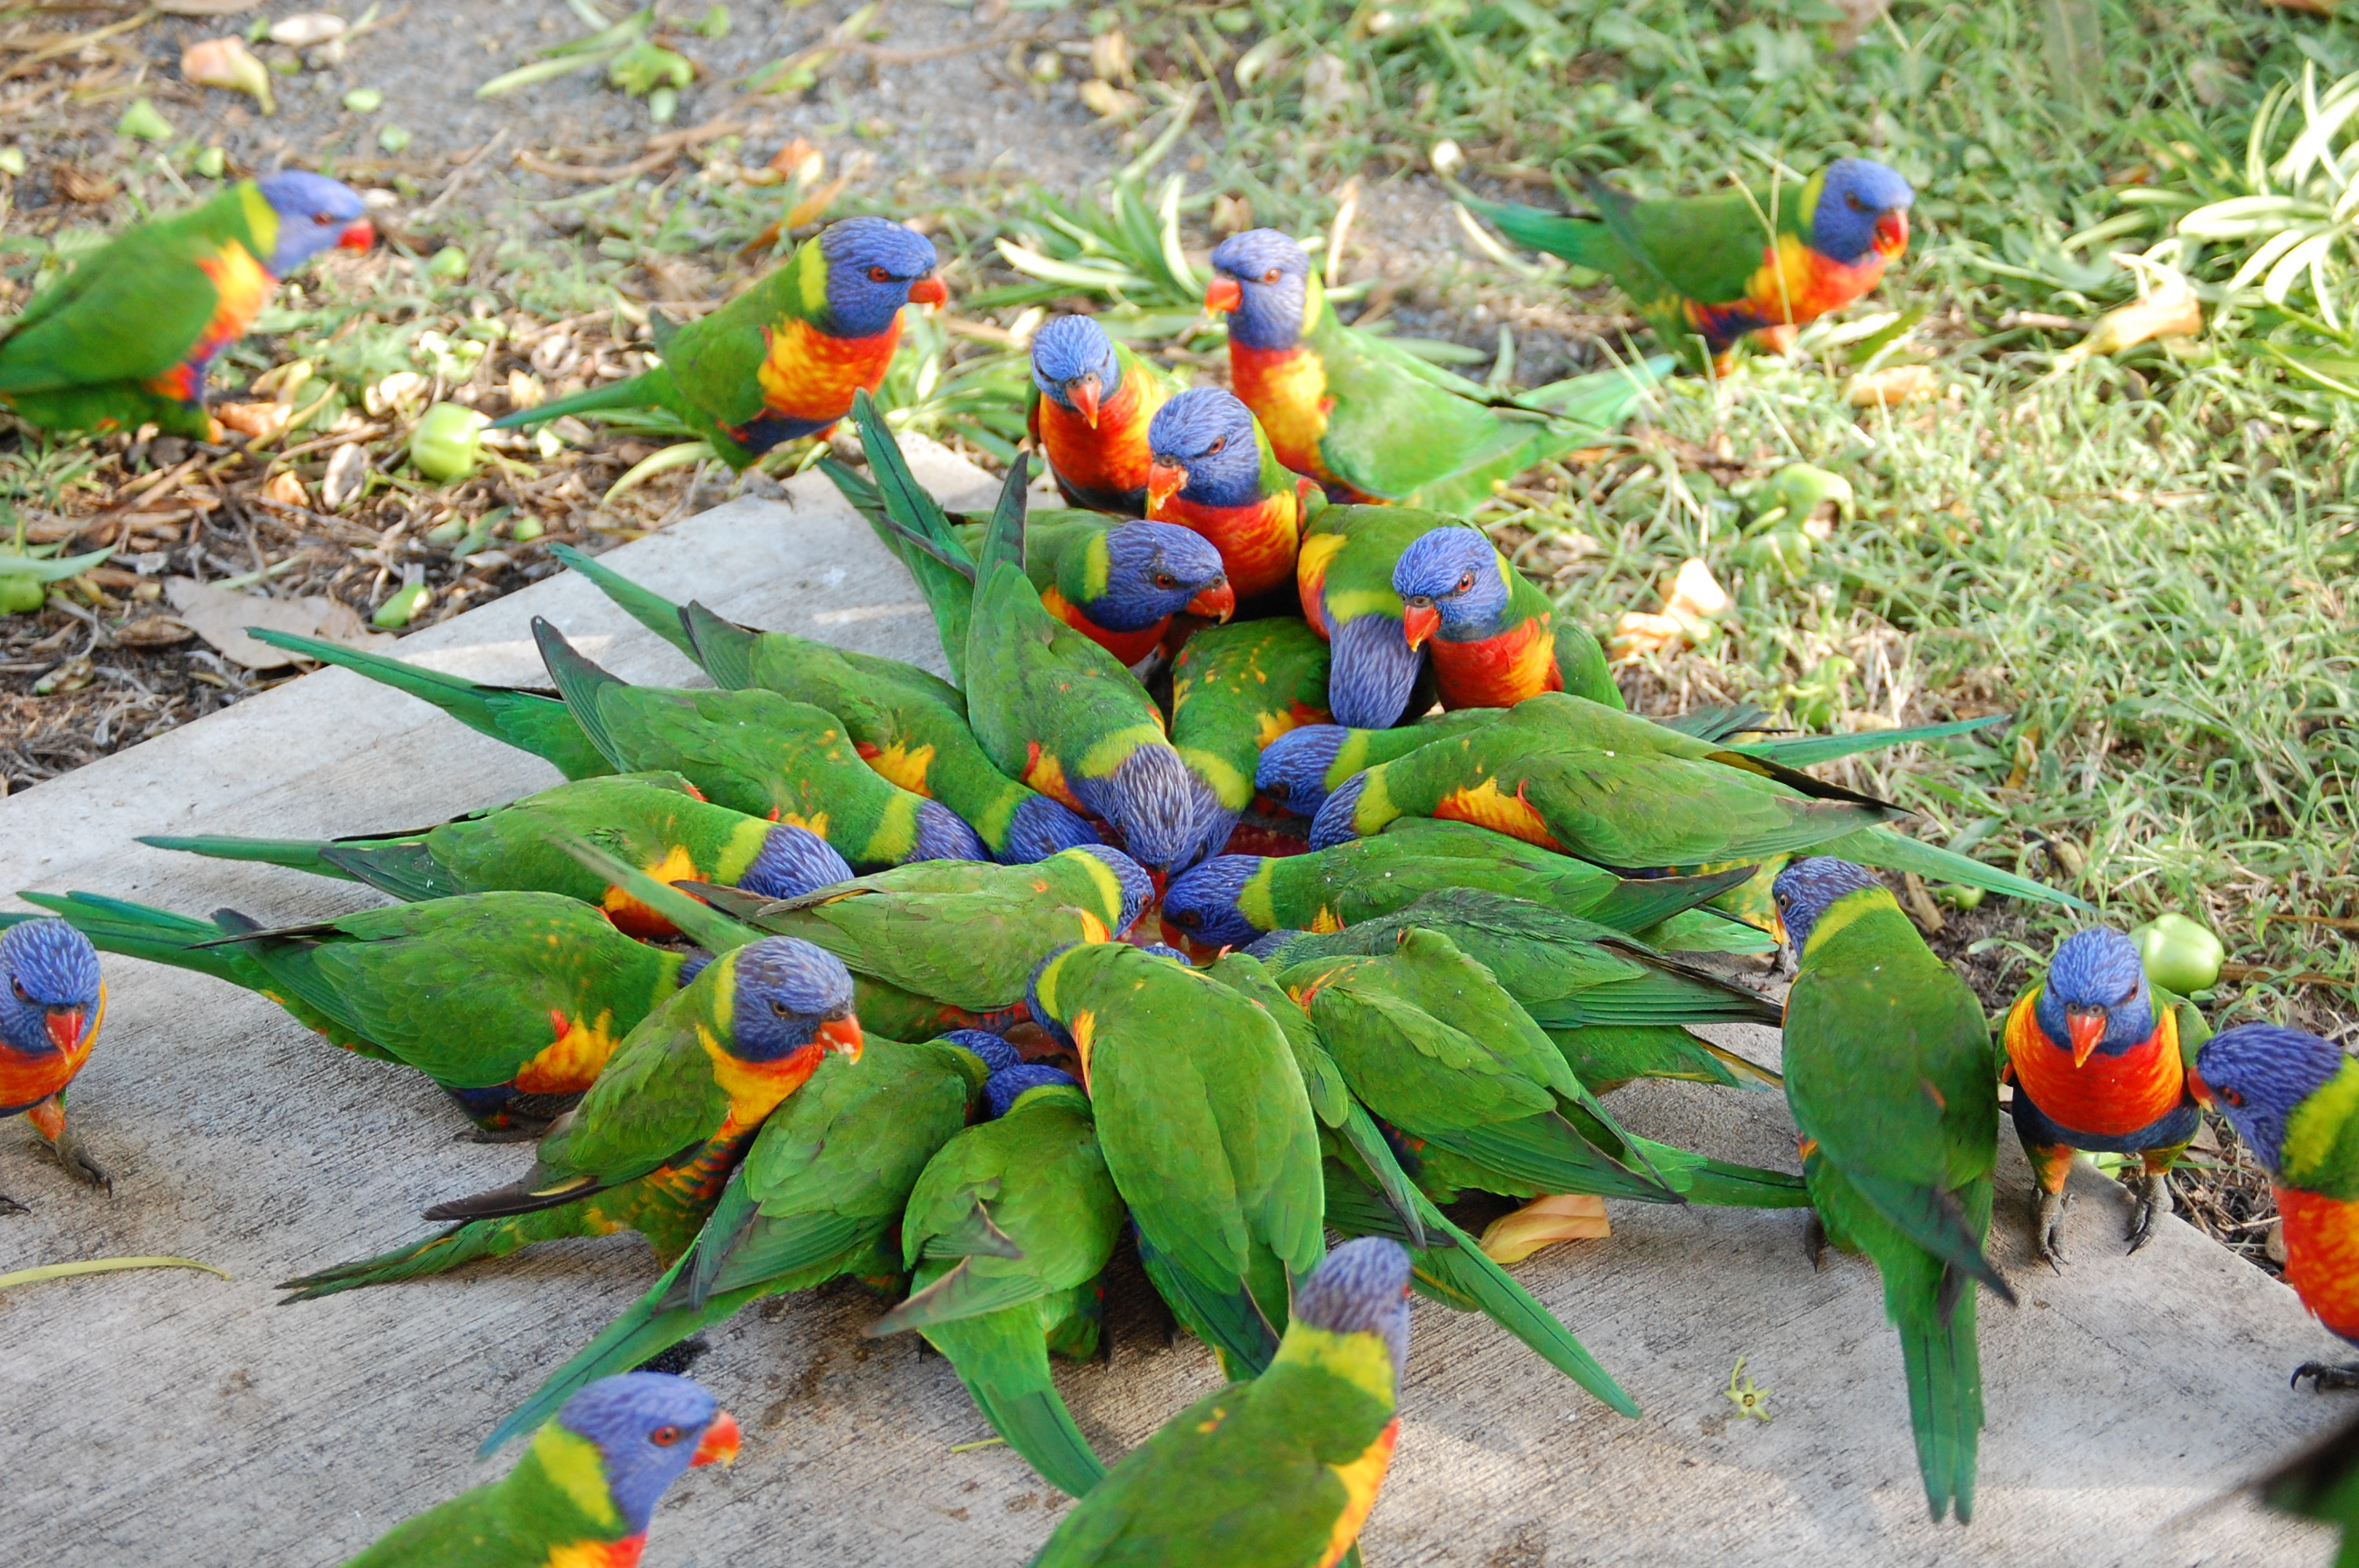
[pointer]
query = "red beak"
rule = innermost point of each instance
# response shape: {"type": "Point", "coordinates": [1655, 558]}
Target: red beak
{"type": "Point", "coordinates": [358, 235]}
{"type": "Point", "coordinates": [928, 290]}
{"type": "Point", "coordinates": [2200, 1090]}
{"type": "Point", "coordinates": [1081, 392]}
{"type": "Point", "coordinates": [1197, 952]}
{"type": "Point", "coordinates": [842, 1036]}
{"type": "Point", "coordinates": [1217, 602]}
{"type": "Point", "coordinates": [1164, 480]}
{"type": "Point", "coordinates": [1419, 621]}
{"type": "Point", "coordinates": [2086, 1026]}
{"type": "Point", "coordinates": [1891, 232]}
{"type": "Point", "coordinates": [720, 1443]}
{"type": "Point", "coordinates": [1224, 293]}
{"type": "Point", "coordinates": [65, 1025]}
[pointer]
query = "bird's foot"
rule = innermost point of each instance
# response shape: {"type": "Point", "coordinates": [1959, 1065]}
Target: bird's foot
{"type": "Point", "coordinates": [2047, 1228]}
{"type": "Point", "coordinates": [2153, 1202]}
{"type": "Point", "coordinates": [10, 1205]}
{"type": "Point", "coordinates": [1814, 1242]}
{"type": "Point", "coordinates": [77, 1162]}
{"type": "Point", "coordinates": [2325, 1376]}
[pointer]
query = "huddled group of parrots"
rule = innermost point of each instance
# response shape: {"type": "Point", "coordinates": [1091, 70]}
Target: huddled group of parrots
{"type": "Point", "coordinates": [1277, 862]}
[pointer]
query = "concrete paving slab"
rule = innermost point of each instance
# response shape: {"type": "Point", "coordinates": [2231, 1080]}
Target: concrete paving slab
{"type": "Point", "coordinates": [172, 1417]}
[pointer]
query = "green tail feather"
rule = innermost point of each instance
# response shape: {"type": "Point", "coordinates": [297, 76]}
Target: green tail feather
{"type": "Point", "coordinates": [1229, 1321]}
{"type": "Point", "coordinates": [296, 854]}
{"type": "Point", "coordinates": [1638, 903]}
{"type": "Point", "coordinates": [650, 609]}
{"type": "Point", "coordinates": [1003, 1359]}
{"type": "Point", "coordinates": [1701, 1179]}
{"type": "Point", "coordinates": [469, 1243]}
{"type": "Point", "coordinates": [1655, 997]}
{"type": "Point", "coordinates": [1548, 1153]}
{"type": "Point", "coordinates": [899, 508]}
{"type": "Point", "coordinates": [1802, 751]}
{"type": "Point", "coordinates": [724, 648]}
{"type": "Point", "coordinates": [580, 682]}
{"type": "Point", "coordinates": [1706, 931]}
{"type": "Point", "coordinates": [140, 930]}
{"type": "Point", "coordinates": [407, 872]}
{"type": "Point", "coordinates": [1945, 1395]}
{"type": "Point", "coordinates": [1581, 240]}
{"type": "Point", "coordinates": [638, 391]}
{"type": "Point", "coordinates": [1898, 852]}
{"type": "Point", "coordinates": [1717, 721]}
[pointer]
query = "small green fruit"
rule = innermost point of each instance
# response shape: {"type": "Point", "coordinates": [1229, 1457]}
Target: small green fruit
{"type": "Point", "coordinates": [2179, 956]}
{"type": "Point", "coordinates": [210, 162]}
{"type": "Point", "coordinates": [1781, 552]}
{"type": "Point", "coordinates": [22, 595]}
{"type": "Point", "coordinates": [448, 262]}
{"type": "Point", "coordinates": [393, 139]}
{"type": "Point", "coordinates": [446, 443]}
{"type": "Point", "coordinates": [526, 531]}
{"type": "Point", "coordinates": [13, 162]}
{"type": "Point", "coordinates": [403, 606]}
{"type": "Point", "coordinates": [145, 121]}
{"type": "Point", "coordinates": [365, 101]}
{"type": "Point", "coordinates": [1801, 490]}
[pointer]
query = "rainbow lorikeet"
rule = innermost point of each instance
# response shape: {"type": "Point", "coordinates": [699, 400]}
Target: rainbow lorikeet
{"type": "Point", "coordinates": [657, 821]}
{"type": "Point", "coordinates": [1211, 470]}
{"type": "Point", "coordinates": [784, 359]}
{"type": "Point", "coordinates": [815, 1199]}
{"type": "Point", "coordinates": [2099, 1060]}
{"type": "Point", "coordinates": [1118, 583]}
{"type": "Point", "coordinates": [49, 1019]}
{"type": "Point", "coordinates": [1207, 1129]}
{"type": "Point", "coordinates": [511, 1002]}
{"type": "Point", "coordinates": [653, 1142]}
{"type": "Point", "coordinates": [1888, 1075]}
{"type": "Point", "coordinates": [1091, 399]}
{"type": "Point", "coordinates": [1006, 1235]}
{"type": "Point", "coordinates": [1236, 689]}
{"type": "Point", "coordinates": [1495, 637]}
{"type": "Point", "coordinates": [907, 724]}
{"type": "Point", "coordinates": [126, 337]}
{"type": "Point", "coordinates": [1344, 575]}
{"type": "Point", "coordinates": [586, 1490]}
{"type": "Point", "coordinates": [1305, 765]}
{"type": "Point", "coordinates": [1760, 262]}
{"type": "Point", "coordinates": [1276, 1473]}
{"type": "Point", "coordinates": [2289, 1096]}
{"type": "Point", "coordinates": [1369, 420]}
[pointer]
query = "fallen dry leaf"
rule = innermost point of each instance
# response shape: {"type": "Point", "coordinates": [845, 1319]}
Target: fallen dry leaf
{"type": "Point", "coordinates": [220, 616]}
{"type": "Point", "coordinates": [1695, 591]}
{"type": "Point", "coordinates": [228, 63]}
{"type": "Point", "coordinates": [1543, 1222]}
{"type": "Point", "coordinates": [1108, 102]}
{"type": "Point", "coordinates": [78, 184]}
{"type": "Point", "coordinates": [346, 476]}
{"type": "Point", "coordinates": [287, 489]}
{"type": "Point", "coordinates": [2170, 311]}
{"type": "Point", "coordinates": [1891, 387]}
{"type": "Point", "coordinates": [254, 421]}
{"type": "Point", "coordinates": [301, 32]}
{"type": "Point", "coordinates": [205, 8]}
{"type": "Point", "coordinates": [154, 631]}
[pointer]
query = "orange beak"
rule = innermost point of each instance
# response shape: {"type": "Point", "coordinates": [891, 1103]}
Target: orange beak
{"type": "Point", "coordinates": [2200, 1090]}
{"type": "Point", "coordinates": [1081, 392]}
{"type": "Point", "coordinates": [2086, 1026]}
{"type": "Point", "coordinates": [1419, 621]}
{"type": "Point", "coordinates": [1164, 480]}
{"type": "Point", "coordinates": [842, 1036]}
{"type": "Point", "coordinates": [928, 290]}
{"type": "Point", "coordinates": [1217, 602]}
{"type": "Point", "coordinates": [1891, 232]}
{"type": "Point", "coordinates": [1197, 952]}
{"type": "Point", "coordinates": [720, 1443]}
{"type": "Point", "coordinates": [358, 235]}
{"type": "Point", "coordinates": [1224, 293]}
{"type": "Point", "coordinates": [65, 1025]}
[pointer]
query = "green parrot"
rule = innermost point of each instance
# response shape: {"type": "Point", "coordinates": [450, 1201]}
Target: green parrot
{"type": "Point", "coordinates": [126, 337]}
{"type": "Point", "coordinates": [1344, 579]}
{"type": "Point", "coordinates": [907, 724]}
{"type": "Point", "coordinates": [783, 360]}
{"type": "Point", "coordinates": [816, 1198]}
{"type": "Point", "coordinates": [1235, 689]}
{"type": "Point", "coordinates": [511, 1002]}
{"type": "Point", "coordinates": [655, 821]}
{"type": "Point", "coordinates": [585, 1491]}
{"type": "Point", "coordinates": [653, 1142]}
{"type": "Point", "coordinates": [1891, 1079]}
{"type": "Point", "coordinates": [1276, 1473]}
{"type": "Point", "coordinates": [1007, 1233]}
{"type": "Point", "coordinates": [1091, 399]}
{"type": "Point", "coordinates": [1207, 1129]}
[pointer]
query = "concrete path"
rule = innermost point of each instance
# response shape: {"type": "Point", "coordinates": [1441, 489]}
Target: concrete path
{"type": "Point", "coordinates": [169, 1417]}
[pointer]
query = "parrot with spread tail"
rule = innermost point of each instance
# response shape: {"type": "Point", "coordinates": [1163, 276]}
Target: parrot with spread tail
{"type": "Point", "coordinates": [1494, 636]}
{"type": "Point", "coordinates": [49, 1019]}
{"type": "Point", "coordinates": [1211, 468]}
{"type": "Point", "coordinates": [783, 360]}
{"type": "Point", "coordinates": [1091, 399]}
{"type": "Point", "coordinates": [1888, 1074]}
{"type": "Point", "coordinates": [1754, 262]}
{"type": "Point", "coordinates": [584, 1493]}
{"type": "Point", "coordinates": [1280, 1472]}
{"type": "Point", "coordinates": [1368, 420]}
{"type": "Point", "coordinates": [906, 724]}
{"type": "Point", "coordinates": [2098, 1058]}
{"type": "Point", "coordinates": [126, 337]}
{"type": "Point", "coordinates": [652, 1144]}
{"type": "Point", "coordinates": [1236, 689]}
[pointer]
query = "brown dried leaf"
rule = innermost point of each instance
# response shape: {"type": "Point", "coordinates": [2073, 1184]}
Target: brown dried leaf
{"type": "Point", "coordinates": [220, 616]}
{"type": "Point", "coordinates": [254, 421]}
{"type": "Point", "coordinates": [78, 184]}
{"type": "Point", "coordinates": [154, 631]}
{"type": "Point", "coordinates": [1891, 387]}
{"type": "Point", "coordinates": [204, 8]}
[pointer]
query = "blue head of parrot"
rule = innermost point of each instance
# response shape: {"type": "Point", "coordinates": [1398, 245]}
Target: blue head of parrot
{"type": "Point", "coordinates": [997, 1055]}
{"type": "Point", "coordinates": [1157, 569]}
{"type": "Point", "coordinates": [1159, 806]}
{"type": "Point", "coordinates": [1863, 207]}
{"type": "Point", "coordinates": [315, 214]}
{"type": "Point", "coordinates": [790, 994]}
{"type": "Point", "coordinates": [874, 268]}
{"type": "Point", "coordinates": [1373, 670]}
{"type": "Point", "coordinates": [54, 991]}
{"type": "Point", "coordinates": [1293, 768]}
{"type": "Point", "coordinates": [1361, 1287]}
{"type": "Point", "coordinates": [1450, 580]}
{"type": "Point", "coordinates": [1262, 279]}
{"type": "Point", "coordinates": [1200, 447]}
{"type": "Point", "coordinates": [1334, 823]}
{"type": "Point", "coordinates": [1809, 888]}
{"type": "Point", "coordinates": [1200, 908]}
{"type": "Point", "coordinates": [794, 860]}
{"type": "Point", "coordinates": [944, 834]}
{"type": "Point", "coordinates": [2258, 1075]}
{"type": "Point", "coordinates": [1009, 1085]}
{"type": "Point", "coordinates": [2095, 998]}
{"type": "Point", "coordinates": [649, 1428]}
{"type": "Point", "coordinates": [1073, 361]}
{"type": "Point", "coordinates": [1137, 887]}
{"type": "Point", "coordinates": [1042, 827]}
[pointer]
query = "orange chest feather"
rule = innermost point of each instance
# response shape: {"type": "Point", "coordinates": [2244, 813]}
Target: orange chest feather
{"type": "Point", "coordinates": [2108, 1096]}
{"type": "Point", "coordinates": [1795, 284]}
{"type": "Point", "coordinates": [1127, 646]}
{"type": "Point", "coordinates": [1499, 671]}
{"type": "Point", "coordinates": [1257, 543]}
{"type": "Point", "coordinates": [1113, 456]}
{"type": "Point", "coordinates": [1362, 1477]}
{"type": "Point", "coordinates": [2322, 1238]}
{"type": "Point", "coordinates": [1486, 806]}
{"type": "Point", "coordinates": [806, 374]}
{"type": "Point", "coordinates": [623, 1553]}
{"type": "Point", "coordinates": [28, 1080]}
{"type": "Point", "coordinates": [636, 919]}
{"type": "Point", "coordinates": [1287, 389]}
{"type": "Point", "coordinates": [572, 1062]}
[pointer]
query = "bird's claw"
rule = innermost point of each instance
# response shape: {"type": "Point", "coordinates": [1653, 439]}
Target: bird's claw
{"type": "Point", "coordinates": [1814, 1242]}
{"type": "Point", "coordinates": [10, 1205]}
{"type": "Point", "coordinates": [2154, 1200]}
{"type": "Point", "coordinates": [2048, 1229]}
{"type": "Point", "coordinates": [76, 1162]}
{"type": "Point", "coordinates": [2327, 1375]}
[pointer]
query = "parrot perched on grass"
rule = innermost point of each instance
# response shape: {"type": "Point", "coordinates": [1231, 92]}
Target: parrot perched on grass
{"type": "Point", "coordinates": [1006, 1234]}
{"type": "Point", "coordinates": [1888, 1075]}
{"type": "Point", "coordinates": [126, 337]}
{"type": "Point", "coordinates": [2289, 1096]}
{"type": "Point", "coordinates": [1495, 637]}
{"type": "Point", "coordinates": [49, 1018]}
{"type": "Point", "coordinates": [1371, 421]}
{"type": "Point", "coordinates": [1344, 578]}
{"type": "Point", "coordinates": [1211, 468]}
{"type": "Point", "coordinates": [586, 1490]}
{"type": "Point", "coordinates": [510, 1002]}
{"type": "Point", "coordinates": [1207, 1129]}
{"type": "Point", "coordinates": [652, 1143]}
{"type": "Point", "coordinates": [1091, 399]}
{"type": "Point", "coordinates": [908, 725]}
{"type": "Point", "coordinates": [656, 821]}
{"type": "Point", "coordinates": [2099, 1060]}
{"type": "Point", "coordinates": [784, 359]}
{"type": "Point", "coordinates": [1276, 1473]}
{"type": "Point", "coordinates": [815, 1199]}
{"type": "Point", "coordinates": [1762, 262]}
{"type": "Point", "coordinates": [1235, 689]}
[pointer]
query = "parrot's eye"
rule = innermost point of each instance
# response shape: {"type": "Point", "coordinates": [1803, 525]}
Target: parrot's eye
{"type": "Point", "coordinates": [1272, 276]}
{"type": "Point", "coordinates": [1216, 445]}
{"type": "Point", "coordinates": [1856, 204]}
{"type": "Point", "coordinates": [323, 218]}
{"type": "Point", "coordinates": [1188, 917]}
{"type": "Point", "coordinates": [1164, 579]}
{"type": "Point", "coordinates": [664, 1436]}
{"type": "Point", "coordinates": [19, 987]}
{"type": "Point", "coordinates": [2233, 1097]}
{"type": "Point", "coordinates": [780, 1009]}
{"type": "Point", "coordinates": [1466, 582]}
{"type": "Point", "coordinates": [878, 274]}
